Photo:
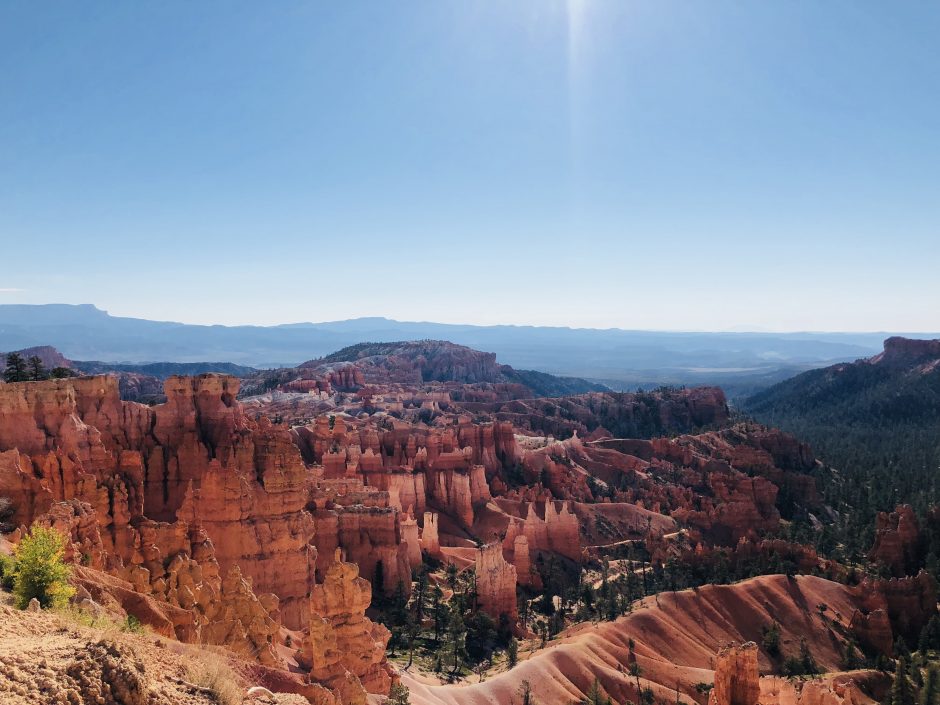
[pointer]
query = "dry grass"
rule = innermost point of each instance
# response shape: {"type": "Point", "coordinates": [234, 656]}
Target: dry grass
{"type": "Point", "coordinates": [210, 670]}
{"type": "Point", "coordinates": [103, 625]}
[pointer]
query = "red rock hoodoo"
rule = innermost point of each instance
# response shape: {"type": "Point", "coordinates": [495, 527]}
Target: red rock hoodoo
{"type": "Point", "coordinates": [737, 680]}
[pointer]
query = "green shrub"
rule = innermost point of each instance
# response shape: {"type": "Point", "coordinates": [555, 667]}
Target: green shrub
{"type": "Point", "coordinates": [132, 624]}
{"type": "Point", "coordinates": [40, 570]}
{"type": "Point", "coordinates": [7, 571]}
{"type": "Point", "coordinates": [771, 640]}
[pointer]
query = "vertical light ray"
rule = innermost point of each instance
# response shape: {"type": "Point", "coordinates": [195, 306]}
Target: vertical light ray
{"type": "Point", "coordinates": [576, 21]}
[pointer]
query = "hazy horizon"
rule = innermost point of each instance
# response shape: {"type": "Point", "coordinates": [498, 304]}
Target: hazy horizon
{"type": "Point", "coordinates": [744, 329]}
{"type": "Point", "coordinates": [642, 165]}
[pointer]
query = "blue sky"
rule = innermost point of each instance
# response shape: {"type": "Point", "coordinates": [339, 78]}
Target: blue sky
{"type": "Point", "coordinates": [665, 165]}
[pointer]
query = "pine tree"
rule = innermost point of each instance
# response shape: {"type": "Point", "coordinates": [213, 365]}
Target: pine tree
{"type": "Point", "coordinates": [398, 695]}
{"type": "Point", "coordinates": [930, 635]}
{"type": "Point", "coordinates": [931, 690]}
{"type": "Point", "coordinates": [412, 630]}
{"type": "Point", "coordinates": [16, 370]}
{"type": "Point", "coordinates": [525, 693]}
{"type": "Point", "coordinates": [807, 662]}
{"type": "Point", "coordinates": [456, 642]}
{"type": "Point", "coordinates": [419, 601]}
{"type": "Point", "coordinates": [378, 581]}
{"type": "Point", "coordinates": [37, 370]}
{"type": "Point", "coordinates": [438, 610]}
{"type": "Point", "coordinates": [596, 695]}
{"type": "Point", "coordinates": [635, 670]}
{"type": "Point", "coordinates": [771, 640]}
{"type": "Point", "coordinates": [901, 691]}
{"type": "Point", "coordinates": [512, 653]}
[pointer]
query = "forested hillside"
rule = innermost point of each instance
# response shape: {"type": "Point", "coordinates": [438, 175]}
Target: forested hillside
{"type": "Point", "coordinates": [876, 422]}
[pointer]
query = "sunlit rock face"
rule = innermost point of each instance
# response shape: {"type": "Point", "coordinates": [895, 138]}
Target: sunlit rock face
{"type": "Point", "coordinates": [737, 680]}
{"type": "Point", "coordinates": [196, 513]}
{"type": "Point", "coordinates": [495, 582]}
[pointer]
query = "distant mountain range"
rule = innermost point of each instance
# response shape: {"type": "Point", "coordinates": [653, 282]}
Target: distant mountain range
{"type": "Point", "coordinates": [622, 359]}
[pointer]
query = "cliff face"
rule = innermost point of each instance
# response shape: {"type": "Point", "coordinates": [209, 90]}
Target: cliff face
{"type": "Point", "coordinates": [197, 511]}
{"type": "Point", "coordinates": [495, 582]}
{"type": "Point", "coordinates": [737, 681]}
{"type": "Point", "coordinates": [613, 414]}
{"type": "Point", "coordinates": [906, 352]}
{"type": "Point", "coordinates": [368, 536]}
{"type": "Point", "coordinates": [350, 446]}
{"type": "Point", "coordinates": [898, 541]}
{"type": "Point", "coordinates": [908, 602]}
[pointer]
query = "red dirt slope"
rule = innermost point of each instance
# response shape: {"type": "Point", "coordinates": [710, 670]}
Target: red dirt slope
{"type": "Point", "coordinates": [676, 637]}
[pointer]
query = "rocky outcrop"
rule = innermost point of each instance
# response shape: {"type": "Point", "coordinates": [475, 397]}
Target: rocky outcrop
{"type": "Point", "coordinates": [197, 513]}
{"type": "Point", "coordinates": [906, 352]}
{"type": "Point", "coordinates": [615, 414]}
{"type": "Point", "coordinates": [495, 582]}
{"type": "Point", "coordinates": [409, 537]}
{"type": "Point", "coordinates": [737, 680]}
{"type": "Point", "coordinates": [48, 355]}
{"type": "Point", "coordinates": [450, 491]}
{"type": "Point", "coordinates": [344, 649]}
{"type": "Point", "coordinates": [547, 526]}
{"type": "Point", "coordinates": [743, 505]}
{"type": "Point", "coordinates": [522, 561]}
{"type": "Point", "coordinates": [898, 541]}
{"type": "Point", "coordinates": [430, 538]}
{"type": "Point", "coordinates": [244, 623]}
{"type": "Point", "coordinates": [891, 608]}
{"type": "Point", "coordinates": [834, 689]}
{"type": "Point", "coordinates": [909, 602]}
{"type": "Point", "coordinates": [414, 362]}
{"type": "Point", "coordinates": [873, 631]}
{"type": "Point", "coordinates": [368, 536]}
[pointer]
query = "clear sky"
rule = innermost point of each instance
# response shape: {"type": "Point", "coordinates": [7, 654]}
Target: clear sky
{"type": "Point", "coordinates": [667, 165]}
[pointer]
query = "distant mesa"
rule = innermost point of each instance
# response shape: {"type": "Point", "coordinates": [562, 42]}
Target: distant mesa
{"type": "Point", "coordinates": [900, 352]}
{"type": "Point", "coordinates": [411, 362]}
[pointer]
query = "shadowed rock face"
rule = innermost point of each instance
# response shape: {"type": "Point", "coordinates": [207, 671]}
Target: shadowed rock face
{"type": "Point", "coordinates": [898, 541]}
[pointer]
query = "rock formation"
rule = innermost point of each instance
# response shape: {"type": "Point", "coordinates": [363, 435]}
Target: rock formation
{"type": "Point", "coordinates": [197, 513]}
{"type": "Point", "coordinates": [369, 536]}
{"type": "Point", "coordinates": [409, 536]}
{"type": "Point", "coordinates": [908, 602]}
{"type": "Point", "coordinates": [344, 648]}
{"type": "Point", "coordinates": [737, 681]}
{"type": "Point", "coordinates": [430, 540]}
{"type": "Point", "coordinates": [495, 582]}
{"type": "Point", "coordinates": [547, 526]}
{"type": "Point", "coordinates": [898, 541]}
